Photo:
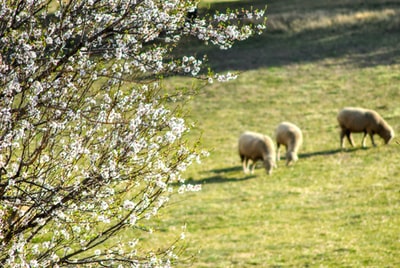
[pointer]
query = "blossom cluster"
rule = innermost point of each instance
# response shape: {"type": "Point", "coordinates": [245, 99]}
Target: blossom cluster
{"type": "Point", "coordinates": [89, 146]}
{"type": "Point", "coordinates": [223, 33]}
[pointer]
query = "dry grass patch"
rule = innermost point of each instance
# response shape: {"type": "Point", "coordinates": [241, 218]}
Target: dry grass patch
{"type": "Point", "coordinates": [319, 19]}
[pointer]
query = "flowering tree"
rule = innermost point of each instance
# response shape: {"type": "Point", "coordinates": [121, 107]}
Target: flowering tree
{"type": "Point", "coordinates": [88, 145]}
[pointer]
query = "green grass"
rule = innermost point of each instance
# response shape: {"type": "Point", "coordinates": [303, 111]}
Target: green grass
{"type": "Point", "coordinates": [332, 208]}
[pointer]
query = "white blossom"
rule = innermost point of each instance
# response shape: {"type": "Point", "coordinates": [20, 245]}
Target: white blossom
{"type": "Point", "coordinates": [128, 205]}
{"type": "Point", "coordinates": [88, 136]}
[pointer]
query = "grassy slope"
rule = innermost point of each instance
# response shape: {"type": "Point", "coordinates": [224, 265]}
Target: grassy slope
{"type": "Point", "coordinates": [333, 208]}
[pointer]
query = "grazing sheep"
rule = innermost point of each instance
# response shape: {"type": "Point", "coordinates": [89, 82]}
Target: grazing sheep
{"type": "Point", "coordinates": [254, 146]}
{"type": "Point", "coordinates": [290, 136]}
{"type": "Point", "coordinates": [363, 120]}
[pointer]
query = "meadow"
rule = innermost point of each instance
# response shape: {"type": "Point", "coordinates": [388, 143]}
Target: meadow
{"type": "Point", "coordinates": [333, 208]}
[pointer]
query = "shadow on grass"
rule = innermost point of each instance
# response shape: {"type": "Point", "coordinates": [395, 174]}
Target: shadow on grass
{"type": "Point", "coordinates": [225, 170]}
{"type": "Point", "coordinates": [218, 179]}
{"type": "Point", "coordinates": [230, 174]}
{"type": "Point", "coordinates": [312, 31]}
{"type": "Point", "coordinates": [331, 152]}
{"type": "Point", "coordinates": [318, 153]}
{"type": "Point", "coordinates": [222, 176]}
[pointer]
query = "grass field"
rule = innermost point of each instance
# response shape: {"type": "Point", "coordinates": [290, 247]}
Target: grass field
{"type": "Point", "coordinates": [332, 208]}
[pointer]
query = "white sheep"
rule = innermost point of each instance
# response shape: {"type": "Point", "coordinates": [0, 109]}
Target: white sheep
{"type": "Point", "coordinates": [291, 137]}
{"type": "Point", "coordinates": [253, 147]}
{"type": "Point", "coordinates": [354, 119]}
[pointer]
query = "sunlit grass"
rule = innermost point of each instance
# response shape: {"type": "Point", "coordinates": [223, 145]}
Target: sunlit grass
{"type": "Point", "coordinates": [320, 19]}
{"type": "Point", "coordinates": [333, 208]}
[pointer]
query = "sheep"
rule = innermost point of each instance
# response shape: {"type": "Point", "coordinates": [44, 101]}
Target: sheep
{"type": "Point", "coordinates": [289, 135]}
{"type": "Point", "coordinates": [355, 119]}
{"type": "Point", "coordinates": [255, 146]}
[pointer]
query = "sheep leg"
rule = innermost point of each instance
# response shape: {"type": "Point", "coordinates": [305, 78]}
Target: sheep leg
{"type": "Point", "coordinates": [278, 155]}
{"type": "Point", "coordinates": [363, 140]}
{"type": "Point", "coordinates": [342, 134]}
{"type": "Point", "coordinates": [348, 135]}
{"type": "Point", "coordinates": [253, 167]}
{"type": "Point", "coordinates": [245, 161]}
{"type": "Point", "coordinates": [372, 139]}
{"type": "Point", "coordinates": [365, 137]}
{"type": "Point", "coordinates": [288, 155]}
{"type": "Point", "coordinates": [289, 159]}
